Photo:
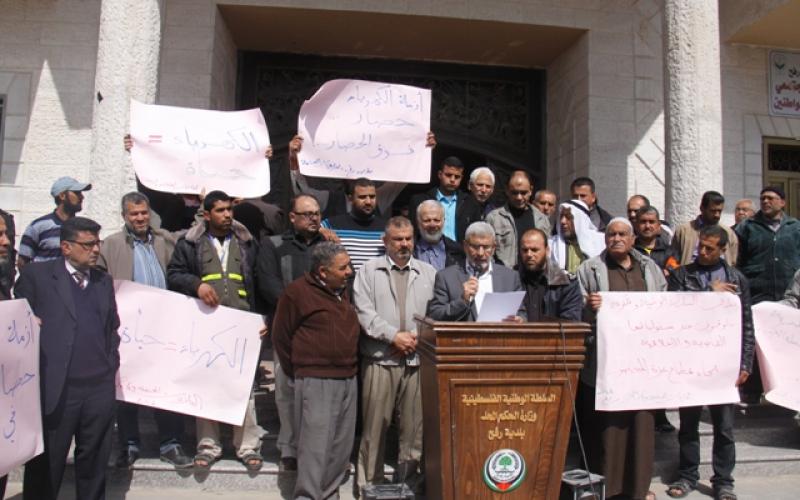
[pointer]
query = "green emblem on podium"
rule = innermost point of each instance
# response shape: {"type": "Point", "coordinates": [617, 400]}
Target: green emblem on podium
{"type": "Point", "coordinates": [504, 470]}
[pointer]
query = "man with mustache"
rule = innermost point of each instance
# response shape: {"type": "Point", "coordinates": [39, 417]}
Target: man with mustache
{"type": "Point", "coordinates": [387, 293]}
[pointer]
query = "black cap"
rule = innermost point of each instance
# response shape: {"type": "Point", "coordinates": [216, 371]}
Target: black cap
{"type": "Point", "coordinates": [774, 189]}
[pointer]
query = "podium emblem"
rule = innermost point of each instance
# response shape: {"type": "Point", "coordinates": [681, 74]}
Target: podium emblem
{"type": "Point", "coordinates": [504, 470]}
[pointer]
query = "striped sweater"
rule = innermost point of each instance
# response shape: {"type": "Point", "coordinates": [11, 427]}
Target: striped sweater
{"type": "Point", "coordinates": [362, 239]}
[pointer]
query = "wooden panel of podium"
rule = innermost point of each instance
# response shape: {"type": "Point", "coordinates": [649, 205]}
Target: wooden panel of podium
{"type": "Point", "coordinates": [497, 401]}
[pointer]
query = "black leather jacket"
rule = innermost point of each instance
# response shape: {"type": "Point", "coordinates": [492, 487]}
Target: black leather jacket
{"type": "Point", "coordinates": [686, 279]}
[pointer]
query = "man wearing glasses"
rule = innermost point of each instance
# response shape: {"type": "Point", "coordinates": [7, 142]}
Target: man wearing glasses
{"type": "Point", "coordinates": [458, 290]}
{"type": "Point", "coordinates": [79, 359]}
{"type": "Point", "coordinates": [282, 259]}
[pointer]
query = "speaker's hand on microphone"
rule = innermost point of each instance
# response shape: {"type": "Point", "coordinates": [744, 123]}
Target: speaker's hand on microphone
{"type": "Point", "coordinates": [470, 288]}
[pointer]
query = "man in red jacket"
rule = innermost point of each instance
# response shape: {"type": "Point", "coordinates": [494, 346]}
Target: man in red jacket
{"type": "Point", "coordinates": [316, 334]}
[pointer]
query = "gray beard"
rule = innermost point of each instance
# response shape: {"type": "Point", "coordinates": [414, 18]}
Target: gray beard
{"type": "Point", "coordinates": [432, 238]}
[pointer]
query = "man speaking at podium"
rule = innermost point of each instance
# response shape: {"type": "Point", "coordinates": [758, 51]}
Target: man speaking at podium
{"type": "Point", "coordinates": [459, 289]}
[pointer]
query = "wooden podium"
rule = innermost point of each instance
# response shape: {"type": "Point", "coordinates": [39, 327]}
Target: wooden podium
{"type": "Point", "coordinates": [497, 402]}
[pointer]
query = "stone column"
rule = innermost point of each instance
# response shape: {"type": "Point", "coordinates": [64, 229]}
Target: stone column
{"type": "Point", "coordinates": [128, 51]}
{"type": "Point", "coordinates": [692, 105]}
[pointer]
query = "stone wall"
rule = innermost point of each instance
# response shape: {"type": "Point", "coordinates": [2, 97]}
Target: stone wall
{"type": "Point", "coordinates": [47, 70]}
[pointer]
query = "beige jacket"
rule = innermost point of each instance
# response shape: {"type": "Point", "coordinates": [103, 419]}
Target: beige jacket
{"type": "Point", "coordinates": [116, 254]}
{"type": "Point", "coordinates": [686, 237]}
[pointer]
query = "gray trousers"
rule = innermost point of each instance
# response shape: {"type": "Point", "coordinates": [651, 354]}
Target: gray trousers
{"type": "Point", "coordinates": [325, 421]}
{"type": "Point", "coordinates": [386, 391]}
{"type": "Point", "coordinates": [284, 401]}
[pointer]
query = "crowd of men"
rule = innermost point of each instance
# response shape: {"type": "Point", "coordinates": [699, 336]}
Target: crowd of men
{"type": "Point", "coordinates": [339, 289]}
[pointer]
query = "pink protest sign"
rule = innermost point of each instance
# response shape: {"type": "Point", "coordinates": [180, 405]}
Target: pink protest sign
{"type": "Point", "coordinates": [356, 128]}
{"type": "Point", "coordinates": [178, 354]}
{"type": "Point", "coordinates": [667, 349]}
{"type": "Point", "coordinates": [184, 150]}
{"type": "Point", "coordinates": [778, 346]}
{"type": "Point", "coordinates": [20, 407]}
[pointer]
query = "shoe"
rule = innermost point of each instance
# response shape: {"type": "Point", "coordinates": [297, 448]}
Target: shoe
{"type": "Point", "coordinates": [177, 458]}
{"type": "Point", "coordinates": [127, 457]}
{"type": "Point", "coordinates": [288, 464]}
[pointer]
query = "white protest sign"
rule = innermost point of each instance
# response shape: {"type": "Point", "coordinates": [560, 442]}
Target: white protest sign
{"type": "Point", "coordinates": [20, 406]}
{"type": "Point", "coordinates": [178, 354]}
{"type": "Point", "coordinates": [667, 349]}
{"type": "Point", "coordinates": [183, 150]}
{"type": "Point", "coordinates": [356, 128]}
{"type": "Point", "coordinates": [778, 340]}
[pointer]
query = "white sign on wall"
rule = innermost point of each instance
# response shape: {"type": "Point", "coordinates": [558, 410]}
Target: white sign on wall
{"type": "Point", "coordinates": [784, 83]}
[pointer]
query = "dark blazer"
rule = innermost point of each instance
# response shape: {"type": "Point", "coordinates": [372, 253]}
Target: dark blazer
{"type": "Point", "coordinates": [448, 303]}
{"type": "Point", "coordinates": [466, 212]}
{"type": "Point", "coordinates": [46, 285]}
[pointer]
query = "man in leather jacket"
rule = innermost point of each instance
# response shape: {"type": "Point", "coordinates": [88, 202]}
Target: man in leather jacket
{"type": "Point", "coordinates": [710, 272]}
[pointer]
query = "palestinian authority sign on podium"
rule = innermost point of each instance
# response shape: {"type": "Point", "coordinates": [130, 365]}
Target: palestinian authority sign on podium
{"type": "Point", "coordinates": [184, 150]}
{"type": "Point", "coordinates": [178, 354]}
{"type": "Point", "coordinates": [356, 128]}
{"type": "Point", "coordinates": [667, 350]}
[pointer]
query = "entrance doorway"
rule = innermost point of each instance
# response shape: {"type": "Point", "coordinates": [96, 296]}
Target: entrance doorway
{"type": "Point", "coordinates": [484, 115]}
{"type": "Point", "coordinates": [782, 169]}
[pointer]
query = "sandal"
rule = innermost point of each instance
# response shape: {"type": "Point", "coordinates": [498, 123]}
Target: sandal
{"type": "Point", "coordinates": [650, 496]}
{"type": "Point", "coordinates": [680, 488]}
{"type": "Point", "coordinates": [725, 494]}
{"type": "Point", "coordinates": [252, 461]}
{"type": "Point", "coordinates": [204, 460]}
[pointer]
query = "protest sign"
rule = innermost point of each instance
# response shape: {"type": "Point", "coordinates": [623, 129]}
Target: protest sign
{"type": "Point", "coordinates": [778, 345]}
{"type": "Point", "coordinates": [667, 349]}
{"type": "Point", "coordinates": [356, 128]}
{"type": "Point", "coordinates": [184, 150]}
{"type": "Point", "coordinates": [20, 406]}
{"type": "Point", "coordinates": [178, 354]}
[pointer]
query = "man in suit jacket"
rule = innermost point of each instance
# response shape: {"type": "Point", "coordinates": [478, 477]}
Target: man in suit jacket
{"type": "Point", "coordinates": [459, 290]}
{"type": "Point", "coordinates": [459, 214]}
{"type": "Point", "coordinates": [79, 359]}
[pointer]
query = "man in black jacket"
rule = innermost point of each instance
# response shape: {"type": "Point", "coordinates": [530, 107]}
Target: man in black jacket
{"type": "Point", "coordinates": [214, 262]}
{"type": "Point", "coordinates": [582, 189]}
{"type": "Point", "coordinates": [79, 348]}
{"type": "Point", "coordinates": [550, 291]}
{"type": "Point", "coordinates": [711, 273]}
{"type": "Point", "coordinates": [281, 260]}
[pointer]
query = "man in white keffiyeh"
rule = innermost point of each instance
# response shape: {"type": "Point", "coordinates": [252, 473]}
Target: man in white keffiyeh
{"type": "Point", "coordinates": [577, 239]}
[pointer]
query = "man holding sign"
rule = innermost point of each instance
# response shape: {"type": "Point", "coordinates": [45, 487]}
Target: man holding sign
{"type": "Point", "coordinates": [711, 273]}
{"type": "Point", "coordinates": [215, 263]}
{"type": "Point", "coordinates": [627, 437]}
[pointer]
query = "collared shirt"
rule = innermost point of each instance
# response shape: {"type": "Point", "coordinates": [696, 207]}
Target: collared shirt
{"type": "Point", "coordinates": [449, 204]}
{"type": "Point", "coordinates": [146, 268]}
{"type": "Point", "coordinates": [71, 270]}
{"type": "Point", "coordinates": [431, 253]}
{"type": "Point", "coordinates": [222, 250]}
{"type": "Point", "coordinates": [484, 284]}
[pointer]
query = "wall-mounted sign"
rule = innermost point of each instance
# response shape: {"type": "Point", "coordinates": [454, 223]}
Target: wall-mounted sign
{"type": "Point", "coordinates": [784, 83]}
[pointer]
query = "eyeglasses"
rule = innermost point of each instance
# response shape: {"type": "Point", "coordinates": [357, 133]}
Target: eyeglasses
{"type": "Point", "coordinates": [308, 215]}
{"type": "Point", "coordinates": [87, 245]}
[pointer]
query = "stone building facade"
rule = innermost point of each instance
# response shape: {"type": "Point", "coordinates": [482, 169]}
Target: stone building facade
{"type": "Point", "coordinates": [68, 69]}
